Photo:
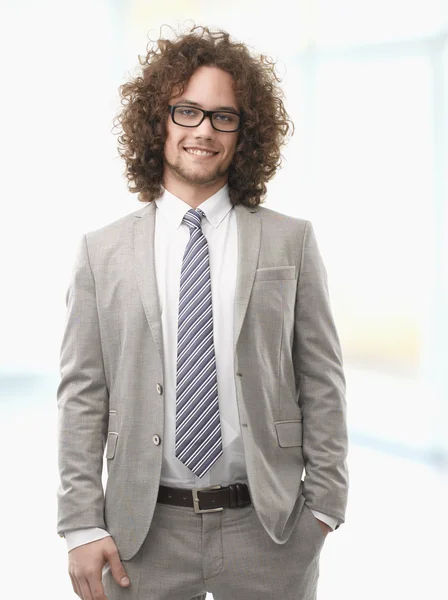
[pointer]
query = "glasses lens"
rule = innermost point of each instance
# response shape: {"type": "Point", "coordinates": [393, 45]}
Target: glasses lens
{"type": "Point", "coordinates": [186, 115]}
{"type": "Point", "coordinates": [226, 121]}
{"type": "Point", "coordinates": [191, 117]}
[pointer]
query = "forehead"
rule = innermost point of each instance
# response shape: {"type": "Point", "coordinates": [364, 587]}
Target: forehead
{"type": "Point", "coordinates": [209, 87]}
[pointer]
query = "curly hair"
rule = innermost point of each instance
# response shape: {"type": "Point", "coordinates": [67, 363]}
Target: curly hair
{"type": "Point", "coordinates": [170, 65]}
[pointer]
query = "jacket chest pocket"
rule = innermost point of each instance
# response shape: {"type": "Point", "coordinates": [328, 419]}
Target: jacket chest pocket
{"type": "Point", "coordinates": [275, 273]}
{"type": "Point", "coordinates": [273, 294]}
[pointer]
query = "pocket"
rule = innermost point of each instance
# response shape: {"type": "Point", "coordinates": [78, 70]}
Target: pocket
{"type": "Point", "coordinates": [112, 438]}
{"type": "Point", "coordinates": [289, 433]}
{"type": "Point", "coordinates": [112, 434]}
{"type": "Point", "coordinates": [275, 273]}
{"type": "Point", "coordinates": [315, 521]}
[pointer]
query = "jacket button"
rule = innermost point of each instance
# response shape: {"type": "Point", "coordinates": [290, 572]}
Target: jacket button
{"type": "Point", "coordinates": [159, 388]}
{"type": "Point", "coordinates": [156, 439]}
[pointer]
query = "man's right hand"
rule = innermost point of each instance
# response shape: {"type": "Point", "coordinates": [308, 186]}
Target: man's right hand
{"type": "Point", "coordinates": [85, 565]}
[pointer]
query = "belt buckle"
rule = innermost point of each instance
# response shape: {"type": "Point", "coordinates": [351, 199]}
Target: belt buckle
{"type": "Point", "coordinates": [198, 510]}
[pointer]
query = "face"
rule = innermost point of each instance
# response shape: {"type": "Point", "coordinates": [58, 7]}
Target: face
{"type": "Point", "coordinates": [210, 88]}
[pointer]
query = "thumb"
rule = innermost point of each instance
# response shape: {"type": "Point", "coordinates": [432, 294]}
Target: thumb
{"type": "Point", "coordinates": [118, 571]}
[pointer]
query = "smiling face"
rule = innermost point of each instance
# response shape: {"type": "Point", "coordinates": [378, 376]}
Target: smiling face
{"type": "Point", "coordinates": [193, 177]}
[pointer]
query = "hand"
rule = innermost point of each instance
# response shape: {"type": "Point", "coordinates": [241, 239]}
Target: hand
{"type": "Point", "coordinates": [325, 528]}
{"type": "Point", "coordinates": [85, 568]}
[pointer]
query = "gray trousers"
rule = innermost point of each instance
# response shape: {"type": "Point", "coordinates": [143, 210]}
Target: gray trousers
{"type": "Point", "coordinates": [226, 553]}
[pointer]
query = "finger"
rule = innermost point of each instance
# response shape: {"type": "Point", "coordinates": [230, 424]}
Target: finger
{"type": "Point", "coordinates": [75, 585]}
{"type": "Point", "coordinates": [116, 566]}
{"type": "Point", "coordinates": [96, 587]}
{"type": "Point", "coordinates": [85, 589]}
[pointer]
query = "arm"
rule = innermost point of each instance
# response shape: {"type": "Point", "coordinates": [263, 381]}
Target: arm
{"type": "Point", "coordinates": [318, 361]}
{"type": "Point", "coordinates": [83, 400]}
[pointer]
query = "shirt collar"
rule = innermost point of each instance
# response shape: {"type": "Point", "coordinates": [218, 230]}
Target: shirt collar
{"type": "Point", "coordinates": [215, 208]}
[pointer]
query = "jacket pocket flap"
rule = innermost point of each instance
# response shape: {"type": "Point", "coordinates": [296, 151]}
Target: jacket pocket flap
{"type": "Point", "coordinates": [289, 433]}
{"type": "Point", "coordinates": [273, 273]}
{"type": "Point", "coordinates": [112, 438]}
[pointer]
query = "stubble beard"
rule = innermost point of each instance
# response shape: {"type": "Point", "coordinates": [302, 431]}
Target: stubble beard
{"type": "Point", "coordinates": [190, 176]}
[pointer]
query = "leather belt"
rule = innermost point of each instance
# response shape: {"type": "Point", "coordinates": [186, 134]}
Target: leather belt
{"type": "Point", "coordinates": [208, 499]}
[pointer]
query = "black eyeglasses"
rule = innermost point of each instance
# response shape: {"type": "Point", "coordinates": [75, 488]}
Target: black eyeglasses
{"type": "Point", "coordinates": [190, 116]}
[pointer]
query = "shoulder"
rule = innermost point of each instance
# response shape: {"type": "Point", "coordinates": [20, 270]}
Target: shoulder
{"type": "Point", "coordinates": [115, 229]}
{"type": "Point", "coordinates": [285, 223]}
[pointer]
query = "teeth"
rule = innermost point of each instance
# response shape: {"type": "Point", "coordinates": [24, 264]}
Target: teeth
{"type": "Point", "coordinates": [199, 152]}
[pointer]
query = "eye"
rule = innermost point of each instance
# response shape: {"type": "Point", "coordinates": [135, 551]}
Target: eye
{"type": "Point", "coordinates": [187, 112]}
{"type": "Point", "coordinates": [225, 117]}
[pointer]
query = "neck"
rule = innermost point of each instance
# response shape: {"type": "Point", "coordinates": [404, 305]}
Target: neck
{"type": "Point", "coordinates": [193, 195]}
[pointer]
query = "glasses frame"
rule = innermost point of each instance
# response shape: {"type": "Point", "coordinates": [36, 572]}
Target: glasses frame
{"type": "Point", "coordinates": [205, 113]}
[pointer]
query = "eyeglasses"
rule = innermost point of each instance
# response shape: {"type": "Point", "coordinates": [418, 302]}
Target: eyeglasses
{"type": "Point", "coordinates": [190, 116]}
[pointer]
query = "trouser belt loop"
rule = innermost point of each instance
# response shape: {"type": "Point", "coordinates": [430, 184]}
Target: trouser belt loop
{"type": "Point", "coordinates": [235, 495]}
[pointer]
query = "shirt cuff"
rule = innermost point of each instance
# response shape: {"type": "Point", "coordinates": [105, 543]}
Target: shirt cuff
{"type": "Point", "coordinates": [78, 537]}
{"type": "Point", "coordinates": [331, 521]}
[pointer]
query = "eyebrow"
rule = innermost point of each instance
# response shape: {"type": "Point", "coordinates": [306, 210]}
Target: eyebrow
{"type": "Point", "coordinates": [188, 101]}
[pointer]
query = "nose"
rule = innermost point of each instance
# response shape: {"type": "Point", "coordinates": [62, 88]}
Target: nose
{"type": "Point", "coordinates": [205, 129]}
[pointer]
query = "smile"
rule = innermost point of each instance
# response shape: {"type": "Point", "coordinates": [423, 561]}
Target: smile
{"type": "Point", "coordinates": [201, 153]}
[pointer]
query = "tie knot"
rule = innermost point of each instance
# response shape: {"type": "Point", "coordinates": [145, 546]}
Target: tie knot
{"type": "Point", "coordinates": [193, 218]}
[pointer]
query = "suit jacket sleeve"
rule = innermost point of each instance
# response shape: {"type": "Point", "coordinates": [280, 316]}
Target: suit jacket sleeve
{"type": "Point", "coordinates": [83, 401]}
{"type": "Point", "coordinates": [319, 365]}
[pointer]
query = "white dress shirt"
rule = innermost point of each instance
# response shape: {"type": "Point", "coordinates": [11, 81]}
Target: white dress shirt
{"type": "Point", "coordinates": [171, 237]}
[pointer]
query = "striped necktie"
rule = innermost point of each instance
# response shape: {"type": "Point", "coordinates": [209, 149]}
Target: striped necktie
{"type": "Point", "coordinates": [198, 429]}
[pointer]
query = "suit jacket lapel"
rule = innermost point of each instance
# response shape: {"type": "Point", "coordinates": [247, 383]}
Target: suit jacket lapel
{"type": "Point", "coordinates": [145, 270]}
{"type": "Point", "coordinates": [249, 239]}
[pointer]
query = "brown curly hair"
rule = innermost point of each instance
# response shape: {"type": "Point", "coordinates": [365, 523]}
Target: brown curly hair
{"type": "Point", "coordinates": [145, 99]}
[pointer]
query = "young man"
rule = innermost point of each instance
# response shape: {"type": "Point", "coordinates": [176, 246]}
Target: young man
{"type": "Point", "coordinates": [200, 347]}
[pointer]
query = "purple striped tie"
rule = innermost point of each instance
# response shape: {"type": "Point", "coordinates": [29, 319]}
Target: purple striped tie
{"type": "Point", "coordinates": [198, 428]}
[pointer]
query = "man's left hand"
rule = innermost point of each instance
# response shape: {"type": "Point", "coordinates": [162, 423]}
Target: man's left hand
{"type": "Point", "coordinates": [325, 528]}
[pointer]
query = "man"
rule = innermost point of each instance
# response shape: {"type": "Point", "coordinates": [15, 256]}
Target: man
{"type": "Point", "coordinates": [200, 346]}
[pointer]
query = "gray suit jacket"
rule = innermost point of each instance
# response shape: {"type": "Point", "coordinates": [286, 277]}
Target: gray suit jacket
{"type": "Point", "coordinates": [288, 369]}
